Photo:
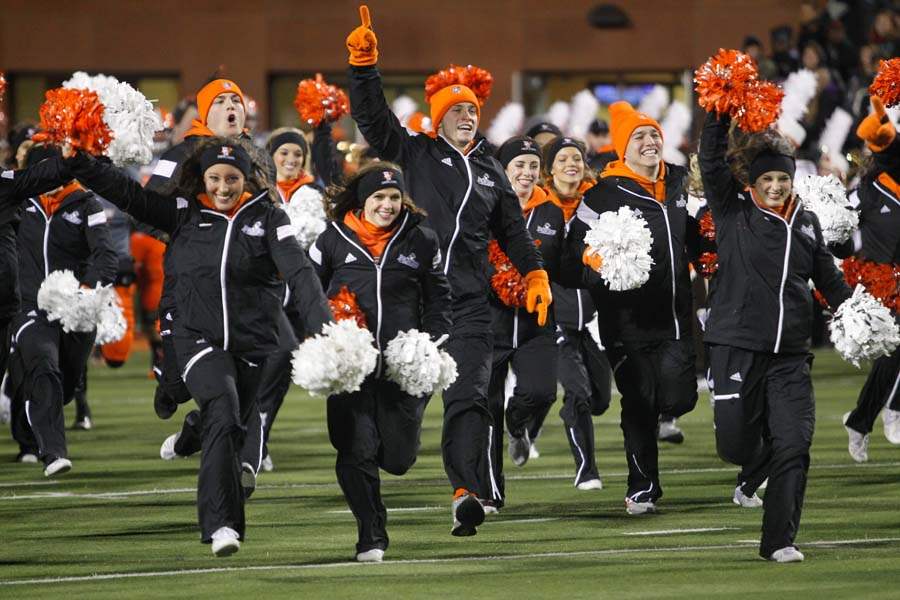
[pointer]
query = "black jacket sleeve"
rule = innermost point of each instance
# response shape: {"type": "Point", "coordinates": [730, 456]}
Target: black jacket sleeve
{"type": "Point", "coordinates": [435, 291]}
{"type": "Point", "coordinates": [326, 160]}
{"type": "Point", "coordinates": [46, 175]}
{"type": "Point", "coordinates": [320, 255]}
{"type": "Point", "coordinates": [145, 205]}
{"type": "Point", "coordinates": [719, 185]}
{"type": "Point", "coordinates": [826, 276]}
{"type": "Point", "coordinates": [103, 263]}
{"type": "Point", "coordinates": [508, 226]}
{"type": "Point", "coordinates": [378, 124]}
{"type": "Point", "coordinates": [308, 300]}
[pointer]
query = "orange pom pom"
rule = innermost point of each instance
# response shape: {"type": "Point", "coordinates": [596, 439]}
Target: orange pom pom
{"type": "Point", "coordinates": [507, 283]}
{"type": "Point", "coordinates": [709, 264]}
{"type": "Point", "coordinates": [344, 306]}
{"type": "Point", "coordinates": [728, 83]}
{"type": "Point", "coordinates": [317, 100]}
{"type": "Point", "coordinates": [479, 80]}
{"type": "Point", "coordinates": [880, 279]}
{"type": "Point", "coordinates": [887, 82]}
{"type": "Point", "coordinates": [74, 117]}
{"type": "Point", "coordinates": [2, 85]}
{"type": "Point", "coordinates": [708, 227]}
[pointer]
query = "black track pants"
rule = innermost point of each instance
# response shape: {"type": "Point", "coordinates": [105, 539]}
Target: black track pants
{"type": "Point", "coordinates": [879, 391]}
{"type": "Point", "coordinates": [765, 416]}
{"type": "Point", "coordinates": [274, 386]}
{"type": "Point", "coordinates": [45, 366]}
{"type": "Point", "coordinates": [225, 387]}
{"type": "Point", "coordinates": [654, 378]}
{"type": "Point", "coordinates": [376, 427]}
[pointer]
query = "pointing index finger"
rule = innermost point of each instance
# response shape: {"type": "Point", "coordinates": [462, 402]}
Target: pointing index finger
{"type": "Point", "coordinates": [364, 16]}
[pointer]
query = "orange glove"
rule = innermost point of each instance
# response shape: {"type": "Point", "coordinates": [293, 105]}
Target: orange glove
{"type": "Point", "coordinates": [877, 129]}
{"type": "Point", "coordinates": [362, 43]}
{"type": "Point", "coordinates": [537, 294]}
{"type": "Point", "coordinates": [591, 258]}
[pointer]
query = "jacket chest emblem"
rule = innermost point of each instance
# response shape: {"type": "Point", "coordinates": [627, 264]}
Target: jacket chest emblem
{"type": "Point", "coordinates": [808, 231]}
{"type": "Point", "coordinates": [410, 261]}
{"type": "Point", "coordinates": [350, 258]}
{"type": "Point", "coordinates": [447, 161]}
{"type": "Point", "coordinates": [485, 180]}
{"type": "Point", "coordinates": [72, 217]}
{"type": "Point", "coordinates": [256, 230]}
{"type": "Point", "coordinates": [885, 210]}
{"type": "Point", "coordinates": [681, 202]}
{"type": "Point", "coordinates": [546, 229]}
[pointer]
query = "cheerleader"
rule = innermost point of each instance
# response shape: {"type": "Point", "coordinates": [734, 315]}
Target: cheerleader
{"type": "Point", "coordinates": [377, 247]}
{"type": "Point", "coordinates": [878, 241]}
{"type": "Point", "coordinates": [646, 331]}
{"type": "Point", "coordinates": [759, 323]}
{"type": "Point", "coordinates": [524, 351]}
{"type": "Point", "coordinates": [231, 251]}
{"type": "Point", "coordinates": [464, 190]}
{"type": "Point", "coordinates": [64, 229]}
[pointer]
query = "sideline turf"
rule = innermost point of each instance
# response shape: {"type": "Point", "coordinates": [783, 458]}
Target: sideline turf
{"type": "Point", "coordinates": [292, 520]}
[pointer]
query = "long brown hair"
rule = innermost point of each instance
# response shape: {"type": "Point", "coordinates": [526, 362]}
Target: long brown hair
{"type": "Point", "coordinates": [189, 180]}
{"type": "Point", "coordinates": [340, 199]}
{"type": "Point", "coordinates": [744, 147]}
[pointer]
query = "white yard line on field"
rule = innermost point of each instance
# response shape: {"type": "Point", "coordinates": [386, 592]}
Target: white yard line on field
{"type": "Point", "coordinates": [676, 531]}
{"type": "Point", "coordinates": [481, 559]}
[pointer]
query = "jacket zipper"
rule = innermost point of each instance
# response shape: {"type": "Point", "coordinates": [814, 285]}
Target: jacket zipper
{"type": "Point", "coordinates": [784, 270]}
{"type": "Point", "coordinates": [465, 200]}
{"type": "Point", "coordinates": [224, 262]}
{"type": "Point", "coordinates": [378, 265]}
{"type": "Point", "coordinates": [46, 236]}
{"type": "Point", "coordinates": [671, 255]}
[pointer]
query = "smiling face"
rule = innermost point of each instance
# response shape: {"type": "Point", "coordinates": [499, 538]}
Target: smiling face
{"type": "Point", "coordinates": [226, 115]}
{"type": "Point", "coordinates": [224, 185]}
{"type": "Point", "coordinates": [460, 123]}
{"type": "Point", "coordinates": [773, 188]}
{"type": "Point", "coordinates": [289, 161]}
{"type": "Point", "coordinates": [382, 208]}
{"type": "Point", "coordinates": [644, 149]}
{"type": "Point", "coordinates": [523, 172]}
{"type": "Point", "coordinates": [567, 168]}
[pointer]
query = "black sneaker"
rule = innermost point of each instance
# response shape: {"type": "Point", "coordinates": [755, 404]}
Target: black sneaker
{"type": "Point", "coordinates": [468, 514]}
{"type": "Point", "coordinates": [163, 404]}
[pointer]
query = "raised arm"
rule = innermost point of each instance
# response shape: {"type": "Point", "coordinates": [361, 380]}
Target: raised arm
{"type": "Point", "coordinates": [115, 185]}
{"type": "Point", "coordinates": [326, 160]}
{"type": "Point", "coordinates": [37, 179]}
{"type": "Point", "coordinates": [719, 185]}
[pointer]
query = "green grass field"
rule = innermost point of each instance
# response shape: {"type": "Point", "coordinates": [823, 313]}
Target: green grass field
{"type": "Point", "coordinates": [123, 523]}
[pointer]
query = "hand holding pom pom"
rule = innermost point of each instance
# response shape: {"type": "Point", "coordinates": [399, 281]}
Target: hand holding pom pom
{"type": "Point", "coordinates": [415, 363]}
{"type": "Point", "coordinates": [335, 361]}
{"type": "Point", "coordinates": [863, 329]}
{"type": "Point", "coordinates": [343, 306]}
{"type": "Point", "coordinates": [624, 241]}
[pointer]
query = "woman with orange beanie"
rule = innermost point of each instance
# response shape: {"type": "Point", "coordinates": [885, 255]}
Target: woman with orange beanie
{"type": "Point", "coordinates": [377, 249]}
{"type": "Point", "coordinates": [646, 331]}
{"type": "Point", "coordinates": [463, 188]}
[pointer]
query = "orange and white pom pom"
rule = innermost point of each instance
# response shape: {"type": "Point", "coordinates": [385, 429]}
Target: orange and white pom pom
{"type": "Point", "coordinates": [887, 82]}
{"type": "Point", "coordinates": [318, 101]}
{"type": "Point", "coordinates": [479, 80]}
{"type": "Point", "coordinates": [74, 118]}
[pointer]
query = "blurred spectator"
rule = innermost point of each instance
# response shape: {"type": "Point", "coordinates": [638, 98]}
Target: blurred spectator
{"type": "Point", "coordinates": [784, 55]}
{"type": "Point", "coordinates": [885, 32]}
{"type": "Point", "coordinates": [840, 52]}
{"type": "Point", "coordinates": [753, 47]}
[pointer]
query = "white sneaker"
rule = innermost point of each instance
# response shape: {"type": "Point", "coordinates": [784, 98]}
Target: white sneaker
{"type": "Point", "coordinates": [891, 420]}
{"type": "Point", "coordinates": [745, 501]}
{"type": "Point", "coordinates": [639, 508]}
{"type": "Point", "coordinates": [490, 507]}
{"type": "Point", "coordinates": [590, 484]}
{"type": "Point", "coordinates": [225, 541]}
{"type": "Point", "coordinates": [5, 411]}
{"type": "Point", "coordinates": [670, 432]}
{"type": "Point", "coordinates": [27, 458]}
{"type": "Point", "coordinates": [519, 449]}
{"type": "Point", "coordinates": [86, 424]}
{"type": "Point", "coordinates": [533, 452]}
{"type": "Point", "coordinates": [373, 555]}
{"type": "Point", "coordinates": [858, 443]}
{"type": "Point", "coordinates": [167, 450]}
{"type": "Point", "coordinates": [764, 484]}
{"type": "Point", "coordinates": [787, 554]}
{"type": "Point", "coordinates": [58, 467]}
{"type": "Point", "coordinates": [267, 465]}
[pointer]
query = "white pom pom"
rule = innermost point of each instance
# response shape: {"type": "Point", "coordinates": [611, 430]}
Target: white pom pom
{"type": "Point", "coordinates": [507, 123]}
{"type": "Point", "coordinates": [307, 214]}
{"type": "Point", "coordinates": [81, 309]}
{"type": "Point", "coordinates": [837, 128]}
{"type": "Point", "coordinates": [127, 113]}
{"type": "Point", "coordinates": [623, 240]}
{"type": "Point", "coordinates": [335, 361]}
{"type": "Point", "coordinates": [583, 111]}
{"type": "Point", "coordinates": [654, 102]}
{"type": "Point", "coordinates": [417, 365]}
{"type": "Point", "coordinates": [404, 106]}
{"type": "Point", "coordinates": [799, 88]}
{"type": "Point", "coordinates": [825, 196]}
{"type": "Point", "coordinates": [863, 328]}
{"type": "Point", "coordinates": [558, 114]}
{"type": "Point", "coordinates": [675, 127]}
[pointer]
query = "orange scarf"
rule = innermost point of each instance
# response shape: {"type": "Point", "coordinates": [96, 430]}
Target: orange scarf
{"type": "Point", "coordinates": [287, 188]}
{"type": "Point", "coordinates": [569, 205]}
{"type": "Point", "coordinates": [51, 202]}
{"type": "Point", "coordinates": [538, 197]}
{"type": "Point", "coordinates": [657, 189]}
{"type": "Point", "coordinates": [205, 201]}
{"type": "Point", "coordinates": [374, 237]}
{"type": "Point", "coordinates": [888, 182]}
{"type": "Point", "coordinates": [784, 211]}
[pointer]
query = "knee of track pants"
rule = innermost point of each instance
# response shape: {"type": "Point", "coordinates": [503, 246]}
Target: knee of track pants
{"type": "Point", "coordinates": [398, 465]}
{"type": "Point", "coordinates": [732, 449]}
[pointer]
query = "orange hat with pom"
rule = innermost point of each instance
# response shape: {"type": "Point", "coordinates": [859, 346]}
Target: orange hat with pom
{"type": "Point", "coordinates": [623, 121]}
{"type": "Point", "coordinates": [446, 98]}
{"type": "Point", "coordinates": [214, 88]}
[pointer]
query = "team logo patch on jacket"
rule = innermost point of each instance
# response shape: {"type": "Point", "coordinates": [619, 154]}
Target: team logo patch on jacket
{"type": "Point", "coordinates": [808, 231]}
{"type": "Point", "coordinates": [447, 161]}
{"type": "Point", "coordinates": [350, 258]}
{"type": "Point", "coordinates": [72, 217]}
{"type": "Point", "coordinates": [410, 261]}
{"type": "Point", "coordinates": [485, 180]}
{"type": "Point", "coordinates": [31, 209]}
{"type": "Point", "coordinates": [546, 229]}
{"type": "Point", "coordinates": [256, 230]}
{"type": "Point", "coordinates": [885, 210]}
{"type": "Point", "coordinates": [681, 202]}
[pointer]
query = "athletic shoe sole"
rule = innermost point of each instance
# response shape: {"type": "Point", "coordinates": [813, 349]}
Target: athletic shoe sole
{"type": "Point", "coordinates": [469, 515]}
